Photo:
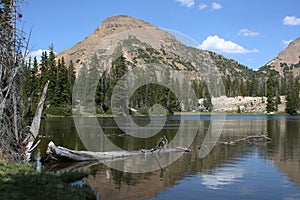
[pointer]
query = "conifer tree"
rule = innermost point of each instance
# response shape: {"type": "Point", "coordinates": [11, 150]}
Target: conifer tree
{"type": "Point", "coordinates": [271, 87]}
{"type": "Point", "coordinates": [61, 88]}
{"type": "Point", "coordinates": [44, 69]}
{"type": "Point", "coordinates": [227, 83]}
{"type": "Point", "coordinates": [101, 93]}
{"type": "Point", "coordinates": [207, 99]}
{"type": "Point", "coordinates": [118, 69]}
{"type": "Point", "coordinates": [292, 95]}
{"type": "Point", "coordinates": [27, 89]}
{"type": "Point", "coordinates": [81, 96]}
{"type": "Point", "coordinates": [92, 80]}
{"type": "Point", "coordinates": [71, 80]}
{"type": "Point", "coordinates": [52, 76]}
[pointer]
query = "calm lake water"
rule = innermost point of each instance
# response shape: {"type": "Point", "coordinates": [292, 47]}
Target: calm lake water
{"type": "Point", "coordinates": [257, 171]}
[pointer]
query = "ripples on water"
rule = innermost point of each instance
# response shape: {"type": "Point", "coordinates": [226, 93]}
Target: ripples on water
{"type": "Point", "coordinates": [261, 171]}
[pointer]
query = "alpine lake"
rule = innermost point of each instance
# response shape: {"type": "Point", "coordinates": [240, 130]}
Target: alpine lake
{"type": "Point", "coordinates": [262, 170]}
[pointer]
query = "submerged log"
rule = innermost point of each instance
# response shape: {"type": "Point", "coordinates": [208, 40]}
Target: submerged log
{"type": "Point", "coordinates": [58, 153]}
{"type": "Point", "coordinates": [263, 138]}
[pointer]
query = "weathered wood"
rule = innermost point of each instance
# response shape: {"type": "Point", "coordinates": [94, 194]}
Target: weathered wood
{"type": "Point", "coordinates": [58, 153]}
{"type": "Point", "coordinates": [250, 139]}
{"type": "Point", "coordinates": [35, 125]}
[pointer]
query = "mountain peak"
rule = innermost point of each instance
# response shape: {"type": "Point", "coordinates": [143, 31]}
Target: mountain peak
{"type": "Point", "coordinates": [120, 23]}
{"type": "Point", "coordinates": [110, 28]}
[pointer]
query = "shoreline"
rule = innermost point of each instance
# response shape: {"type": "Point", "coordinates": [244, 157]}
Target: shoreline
{"type": "Point", "coordinates": [176, 113]}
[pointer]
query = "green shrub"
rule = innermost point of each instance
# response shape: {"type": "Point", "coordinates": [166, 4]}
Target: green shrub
{"type": "Point", "coordinates": [60, 111]}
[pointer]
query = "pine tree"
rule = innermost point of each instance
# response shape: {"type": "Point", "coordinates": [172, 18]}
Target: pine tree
{"type": "Point", "coordinates": [292, 95]}
{"type": "Point", "coordinates": [101, 93]}
{"type": "Point", "coordinates": [71, 80]}
{"type": "Point", "coordinates": [27, 89]}
{"type": "Point", "coordinates": [227, 83]}
{"type": "Point", "coordinates": [52, 76]}
{"type": "Point", "coordinates": [35, 74]}
{"type": "Point", "coordinates": [207, 99]}
{"type": "Point", "coordinates": [81, 92]}
{"type": "Point", "coordinates": [118, 69]}
{"type": "Point", "coordinates": [92, 81]}
{"type": "Point", "coordinates": [35, 81]}
{"type": "Point", "coordinates": [197, 87]}
{"type": "Point", "coordinates": [61, 88]}
{"type": "Point", "coordinates": [271, 86]}
{"type": "Point", "coordinates": [44, 68]}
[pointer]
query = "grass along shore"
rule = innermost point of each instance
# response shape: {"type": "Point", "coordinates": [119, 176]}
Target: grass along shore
{"type": "Point", "coordinates": [22, 181]}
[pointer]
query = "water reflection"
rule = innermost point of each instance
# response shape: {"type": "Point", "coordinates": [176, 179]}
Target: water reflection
{"type": "Point", "coordinates": [242, 171]}
{"type": "Point", "coordinates": [222, 176]}
{"type": "Point", "coordinates": [285, 149]}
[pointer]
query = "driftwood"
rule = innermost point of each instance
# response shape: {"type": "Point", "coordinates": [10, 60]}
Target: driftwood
{"type": "Point", "coordinates": [250, 140]}
{"type": "Point", "coordinates": [35, 125]}
{"type": "Point", "coordinates": [58, 153]}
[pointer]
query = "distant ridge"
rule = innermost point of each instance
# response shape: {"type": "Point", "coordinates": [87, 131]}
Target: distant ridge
{"type": "Point", "coordinates": [287, 60]}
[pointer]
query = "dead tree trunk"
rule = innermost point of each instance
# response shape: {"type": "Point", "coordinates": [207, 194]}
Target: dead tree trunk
{"type": "Point", "coordinates": [263, 138]}
{"type": "Point", "coordinates": [55, 153]}
{"type": "Point", "coordinates": [35, 125]}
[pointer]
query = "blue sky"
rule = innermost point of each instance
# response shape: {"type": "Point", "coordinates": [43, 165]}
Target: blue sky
{"type": "Point", "coordinates": [249, 31]}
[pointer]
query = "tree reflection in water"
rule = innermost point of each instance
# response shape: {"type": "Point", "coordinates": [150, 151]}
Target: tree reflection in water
{"type": "Point", "coordinates": [249, 171]}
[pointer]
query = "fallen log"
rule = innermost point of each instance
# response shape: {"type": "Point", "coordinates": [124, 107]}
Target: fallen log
{"type": "Point", "coordinates": [250, 139]}
{"type": "Point", "coordinates": [58, 153]}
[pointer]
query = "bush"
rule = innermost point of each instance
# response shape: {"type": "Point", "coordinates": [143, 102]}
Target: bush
{"type": "Point", "coordinates": [60, 111]}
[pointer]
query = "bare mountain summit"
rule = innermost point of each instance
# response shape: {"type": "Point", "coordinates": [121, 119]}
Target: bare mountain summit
{"type": "Point", "coordinates": [112, 27]}
{"type": "Point", "coordinates": [288, 60]}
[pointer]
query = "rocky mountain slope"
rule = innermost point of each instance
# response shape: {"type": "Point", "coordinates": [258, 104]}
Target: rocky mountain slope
{"type": "Point", "coordinates": [143, 43]}
{"type": "Point", "coordinates": [110, 27]}
{"type": "Point", "coordinates": [287, 60]}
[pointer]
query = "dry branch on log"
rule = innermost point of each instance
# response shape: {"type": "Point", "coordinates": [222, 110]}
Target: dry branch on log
{"type": "Point", "coordinates": [57, 153]}
{"type": "Point", "coordinates": [250, 139]}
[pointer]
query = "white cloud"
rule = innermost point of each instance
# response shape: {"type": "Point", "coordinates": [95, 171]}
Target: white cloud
{"type": "Point", "coordinates": [291, 21]}
{"type": "Point", "coordinates": [217, 44]}
{"type": "Point", "coordinates": [286, 42]}
{"type": "Point", "coordinates": [248, 33]}
{"type": "Point", "coordinates": [37, 54]}
{"type": "Point", "coordinates": [202, 6]}
{"type": "Point", "coordinates": [216, 6]}
{"type": "Point", "coordinates": [186, 3]}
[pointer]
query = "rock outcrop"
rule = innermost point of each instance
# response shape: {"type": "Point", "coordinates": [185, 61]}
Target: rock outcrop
{"type": "Point", "coordinates": [288, 60]}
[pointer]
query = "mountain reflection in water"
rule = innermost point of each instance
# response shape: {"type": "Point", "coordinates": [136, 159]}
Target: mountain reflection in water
{"type": "Point", "coordinates": [261, 171]}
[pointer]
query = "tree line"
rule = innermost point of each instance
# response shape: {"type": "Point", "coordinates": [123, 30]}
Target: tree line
{"type": "Point", "coordinates": [62, 78]}
{"type": "Point", "coordinates": [270, 86]}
